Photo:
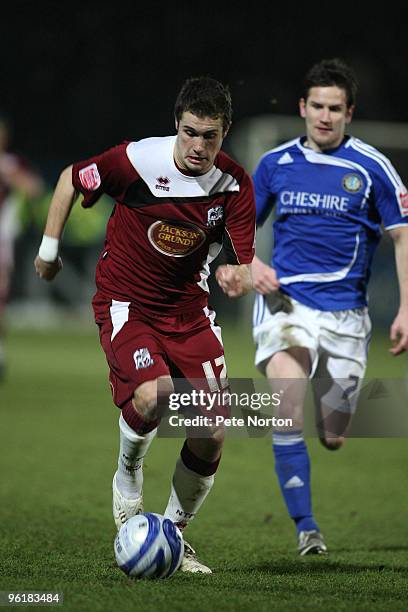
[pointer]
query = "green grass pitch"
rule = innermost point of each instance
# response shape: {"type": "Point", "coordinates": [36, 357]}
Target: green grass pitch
{"type": "Point", "coordinates": [58, 454]}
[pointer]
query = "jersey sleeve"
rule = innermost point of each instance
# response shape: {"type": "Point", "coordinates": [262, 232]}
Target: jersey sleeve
{"type": "Point", "coordinates": [263, 195]}
{"type": "Point", "coordinates": [390, 195]}
{"type": "Point", "coordinates": [110, 172]}
{"type": "Point", "coordinates": [240, 222]}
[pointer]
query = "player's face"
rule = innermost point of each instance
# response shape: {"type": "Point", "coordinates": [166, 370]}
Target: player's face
{"type": "Point", "coordinates": [198, 142]}
{"type": "Point", "coordinates": [326, 114]}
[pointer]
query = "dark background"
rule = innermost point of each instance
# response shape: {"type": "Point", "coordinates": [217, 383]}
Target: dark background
{"type": "Point", "coordinates": [79, 77]}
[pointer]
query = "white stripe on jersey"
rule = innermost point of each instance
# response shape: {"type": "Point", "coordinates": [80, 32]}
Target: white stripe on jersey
{"type": "Point", "coordinates": [388, 227]}
{"type": "Point", "coordinates": [371, 152]}
{"type": "Point", "coordinates": [216, 329]}
{"type": "Point", "coordinates": [320, 158]}
{"type": "Point", "coordinates": [153, 160]}
{"type": "Point", "coordinates": [119, 312]}
{"type": "Point", "coordinates": [213, 250]}
{"type": "Point", "coordinates": [322, 277]}
{"type": "Point", "coordinates": [286, 145]}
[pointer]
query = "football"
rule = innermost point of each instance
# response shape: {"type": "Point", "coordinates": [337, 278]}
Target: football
{"type": "Point", "coordinates": [149, 546]}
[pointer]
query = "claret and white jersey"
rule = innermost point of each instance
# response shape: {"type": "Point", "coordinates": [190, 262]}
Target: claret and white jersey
{"type": "Point", "coordinates": [330, 208]}
{"type": "Point", "coordinates": [166, 226]}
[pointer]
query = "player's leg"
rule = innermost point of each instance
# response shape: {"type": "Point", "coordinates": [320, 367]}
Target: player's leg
{"type": "Point", "coordinates": [192, 481]}
{"type": "Point", "coordinates": [289, 370]}
{"type": "Point", "coordinates": [345, 337]}
{"type": "Point", "coordinates": [194, 476]}
{"type": "Point", "coordinates": [199, 357]}
{"type": "Point", "coordinates": [137, 371]}
{"type": "Point", "coordinates": [286, 350]}
{"type": "Point", "coordinates": [138, 426]}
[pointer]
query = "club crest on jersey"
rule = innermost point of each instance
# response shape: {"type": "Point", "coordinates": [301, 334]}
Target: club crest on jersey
{"type": "Point", "coordinates": [175, 239]}
{"type": "Point", "coordinates": [162, 183]}
{"type": "Point", "coordinates": [215, 215]}
{"type": "Point", "coordinates": [352, 182]}
{"type": "Point", "coordinates": [90, 178]}
{"type": "Point", "coordinates": [142, 358]}
{"type": "Point", "coordinates": [403, 201]}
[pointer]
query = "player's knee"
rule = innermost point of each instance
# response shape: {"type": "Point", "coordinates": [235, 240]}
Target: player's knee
{"type": "Point", "coordinates": [150, 399]}
{"type": "Point", "coordinates": [332, 443]}
{"type": "Point", "coordinates": [216, 438]}
{"type": "Point", "coordinates": [209, 447]}
{"type": "Point", "coordinates": [214, 443]}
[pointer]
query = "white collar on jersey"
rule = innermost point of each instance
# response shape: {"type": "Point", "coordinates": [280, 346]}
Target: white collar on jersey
{"type": "Point", "coordinates": [300, 142]}
{"type": "Point", "coordinates": [153, 160]}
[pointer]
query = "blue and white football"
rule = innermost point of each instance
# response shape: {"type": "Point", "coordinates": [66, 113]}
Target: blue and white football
{"type": "Point", "coordinates": [149, 546]}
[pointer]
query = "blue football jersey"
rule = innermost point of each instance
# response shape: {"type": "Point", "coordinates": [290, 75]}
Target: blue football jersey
{"type": "Point", "coordinates": [329, 211]}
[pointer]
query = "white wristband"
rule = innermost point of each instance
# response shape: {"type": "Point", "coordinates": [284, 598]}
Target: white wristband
{"type": "Point", "coordinates": [48, 250]}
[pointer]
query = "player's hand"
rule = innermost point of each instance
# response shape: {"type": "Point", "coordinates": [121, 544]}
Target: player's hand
{"type": "Point", "coordinates": [235, 281]}
{"type": "Point", "coordinates": [263, 277]}
{"type": "Point", "coordinates": [47, 270]}
{"type": "Point", "coordinates": [399, 333]}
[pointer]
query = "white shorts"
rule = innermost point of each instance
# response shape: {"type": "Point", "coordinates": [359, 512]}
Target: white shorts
{"type": "Point", "coordinates": [337, 342]}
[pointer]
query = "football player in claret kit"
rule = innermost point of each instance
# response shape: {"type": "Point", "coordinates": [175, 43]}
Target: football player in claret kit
{"type": "Point", "coordinates": [179, 199]}
{"type": "Point", "coordinates": [331, 193]}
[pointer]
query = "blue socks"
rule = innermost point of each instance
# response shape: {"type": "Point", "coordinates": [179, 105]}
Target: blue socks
{"type": "Point", "coordinates": [292, 467]}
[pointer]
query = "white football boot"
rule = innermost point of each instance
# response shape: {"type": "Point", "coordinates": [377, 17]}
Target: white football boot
{"type": "Point", "coordinates": [311, 543]}
{"type": "Point", "coordinates": [123, 508]}
{"type": "Point", "coordinates": [190, 563]}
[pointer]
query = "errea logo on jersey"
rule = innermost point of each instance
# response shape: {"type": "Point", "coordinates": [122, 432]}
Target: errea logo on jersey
{"type": "Point", "coordinates": [90, 178]}
{"type": "Point", "coordinates": [142, 358]}
{"type": "Point", "coordinates": [162, 183]}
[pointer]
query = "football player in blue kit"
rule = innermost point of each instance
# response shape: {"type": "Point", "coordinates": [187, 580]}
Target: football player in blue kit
{"type": "Point", "coordinates": [332, 195]}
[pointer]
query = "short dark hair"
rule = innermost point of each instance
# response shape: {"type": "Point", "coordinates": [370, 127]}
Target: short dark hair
{"type": "Point", "coordinates": [329, 72]}
{"type": "Point", "coordinates": [205, 97]}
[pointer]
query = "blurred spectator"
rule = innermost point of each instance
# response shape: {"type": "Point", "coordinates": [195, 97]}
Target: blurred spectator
{"type": "Point", "coordinates": [16, 179]}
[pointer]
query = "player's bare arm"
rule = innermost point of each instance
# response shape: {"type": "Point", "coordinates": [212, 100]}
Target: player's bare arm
{"type": "Point", "coordinates": [47, 263]}
{"type": "Point", "coordinates": [263, 277]}
{"type": "Point", "coordinates": [399, 327]}
{"type": "Point", "coordinates": [234, 280]}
